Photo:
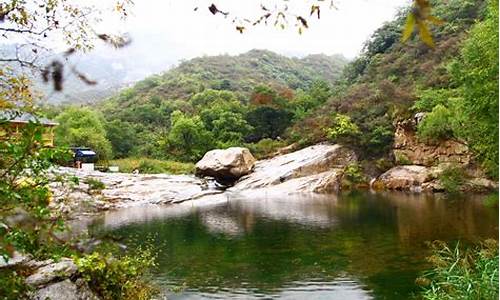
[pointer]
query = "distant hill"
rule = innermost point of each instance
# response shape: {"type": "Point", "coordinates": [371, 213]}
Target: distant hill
{"type": "Point", "coordinates": [241, 73]}
{"type": "Point", "coordinates": [112, 69]}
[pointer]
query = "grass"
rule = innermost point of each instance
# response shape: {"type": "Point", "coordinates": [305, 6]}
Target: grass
{"type": "Point", "coordinates": [152, 166]}
{"type": "Point", "coordinates": [461, 273]}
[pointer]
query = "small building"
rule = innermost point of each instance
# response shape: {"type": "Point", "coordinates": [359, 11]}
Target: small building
{"type": "Point", "coordinates": [17, 120]}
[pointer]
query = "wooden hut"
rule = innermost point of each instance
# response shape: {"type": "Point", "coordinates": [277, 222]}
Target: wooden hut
{"type": "Point", "coordinates": [17, 120]}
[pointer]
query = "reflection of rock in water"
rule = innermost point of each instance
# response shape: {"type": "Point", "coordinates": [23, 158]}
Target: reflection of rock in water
{"type": "Point", "coordinates": [221, 223]}
{"type": "Point", "coordinates": [306, 209]}
{"type": "Point", "coordinates": [146, 213]}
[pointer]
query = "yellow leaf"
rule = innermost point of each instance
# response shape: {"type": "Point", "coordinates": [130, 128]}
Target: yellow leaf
{"type": "Point", "coordinates": [410, 24]}
{"type": "Point", "coordinates": [425, 34]}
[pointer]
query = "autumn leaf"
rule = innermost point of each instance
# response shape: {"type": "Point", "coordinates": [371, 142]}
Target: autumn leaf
{"type": "Point", "coordinates": [302, 21]}
{"type": "Point", "coordinates": [315, 8]}
{"type": "Point", "coordinates": [240, 28]}
{"type": "Point", "coordinates": [408, 30]}
{"type": "Point", "coordinates": [214, 10]}
{"type": "Point", "coordinates": [425, 34]}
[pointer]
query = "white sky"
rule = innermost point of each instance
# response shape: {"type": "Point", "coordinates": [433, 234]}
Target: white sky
{"type": "Point", "coordinates": [172, 27]}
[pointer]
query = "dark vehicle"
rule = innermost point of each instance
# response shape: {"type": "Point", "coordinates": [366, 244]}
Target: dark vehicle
{"type": "Point", "coordinates": [83, 155]}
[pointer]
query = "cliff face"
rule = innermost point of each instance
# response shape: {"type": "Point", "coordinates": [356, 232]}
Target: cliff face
{"type": "Point", "coordinates": [407, 149]}
{"type": "Point", "coordinates": [420, 166]}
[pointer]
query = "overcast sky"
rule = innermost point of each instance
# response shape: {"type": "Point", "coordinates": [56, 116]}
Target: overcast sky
{"type": "Point", "coordinates": [172, 27]}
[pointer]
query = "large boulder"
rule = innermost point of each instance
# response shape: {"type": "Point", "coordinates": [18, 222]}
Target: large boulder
{"type": "Point", "coordinates": [317, 168]}
{"type": "Point", "coordinates": [408, 178]}
{"type": "Point", "coordinates": [226, 165]}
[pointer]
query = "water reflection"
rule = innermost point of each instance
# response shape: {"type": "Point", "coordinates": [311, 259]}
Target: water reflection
{"type": "Point", "coordinates": [351, 246]}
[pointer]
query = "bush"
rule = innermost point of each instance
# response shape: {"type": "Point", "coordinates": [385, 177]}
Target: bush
{"type": "Point", "coordinates": [436, 125]}
{"type": "Point", "coordinates": [95, 185]}
{"type": "Point", "coordinates": [265, 147]}
{"type": "Point", "coordinates": [343, 130]}
{"type": "Point", "coordinates": [354, 175]}
{"type": "Point", "coordinates": [452, 179]}
{"type": "Point", "coordinates": [117, 278]}
{"type": "Point", "coordinates": [153, 166]}
{"type": "Point", "coordinates": [462, 274]}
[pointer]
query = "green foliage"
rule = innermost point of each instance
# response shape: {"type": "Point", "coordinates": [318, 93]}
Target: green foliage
{"type": "Point", "coordinates": [95, 185]}
{"type": "Point", "coordinates": [188, 139]}
{"type": "Point", "coordinates": [354, 174]}
{"type": "Point", "coordinates": [265, 147]}
{"type": "Point", "coordinates": [452, 179]}
{"type": "Point", "coordinates": [114, 278]}
{"type": "Point", "coordinates": [436, 125]}
{"type": "Point", "coordinates": [267, 122]}
{"type": "Point", "coordinates": [343, 129]}
{"type": "Point", "coordinates": [430, 98]}
{"type": "Point", "coordinates": [476, 74]}
{"type": "Point", "coordinates": [152, 166]}
{"type": "Point", "coordinates": [122, 137]}
{"type": "Point", "coordinates": [12, 285]}
{"type": "Point", "coordinates": [24, 164]}
{"type": "Point", "coordinates": [402, 159]}
{"type": "Point", "coordinates": [462, 273]}
{"type": "Point", "coordinates": [83, 127]}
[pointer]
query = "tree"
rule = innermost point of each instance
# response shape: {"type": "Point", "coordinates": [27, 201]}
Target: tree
{"type": "Point", "coordinates": [188, 138]}
{"type": "Point", "coordinates": [268, 122]}
{"type": "Point", "coordinates": [230, 128]}
{"type": "Point", "coordinates": [83, 127]}
{"type": "Point", "coordinates": [122, 136]}
{"type": "Point", "coordinates": [476, 74]}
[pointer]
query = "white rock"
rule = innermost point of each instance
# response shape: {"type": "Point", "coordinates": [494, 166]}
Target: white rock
{"type": "Point", "coordinates": [226, 165]}
{"type": "Point", "coordinates": [62, 269]}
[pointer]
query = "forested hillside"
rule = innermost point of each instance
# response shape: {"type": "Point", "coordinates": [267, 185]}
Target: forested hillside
{"type": "Point", "coordinates": [265, 101]}
{"type": "Point", "coordinates": [203, 103]}
{"type": "Point", "coordinates": [456, 82]}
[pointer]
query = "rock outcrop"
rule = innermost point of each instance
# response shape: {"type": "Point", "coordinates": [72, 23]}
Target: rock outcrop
{"type": "Point", "coordinates": [226, 165]}
{"type": "Point", "coordinates": [49, 279]}
{"type": "Point", "coordinates": [317, 168]}
{"type": "Point", "coordinates": [408, 149]}
{"type": "Point", "coordinates": [48, 273]}
{"type": "Point", "coordinates": [421, 164]}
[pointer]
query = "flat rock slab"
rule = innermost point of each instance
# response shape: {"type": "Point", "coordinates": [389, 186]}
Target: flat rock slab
{"type": "Point", "coordinates": [317, 168]}
{"type": "Point", "coordinates": [125, 190]}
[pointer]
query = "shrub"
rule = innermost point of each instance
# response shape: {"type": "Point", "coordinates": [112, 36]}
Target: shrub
{"type": "Point", "coordinates": [353, 175]}
{"type": "Point", "coordinates": [265, 147]}
{"type": "Point", "coordinates": [452, 179]}
{"type": "Point", "coordinates": [152, 166]}
{"type": "Point", "coordinates": [113, 278]}
{"type": "Point", "coordinates": [461, 273]}
{"type": "Point", "coordinates": [402, 159]}
{"type": "Point", "coordinates": [343, 129]}
{"type": "Point", "coordinates": [430, 98]}
{"type": "Point", "coordinates": [95, 185]}
{"type": "Point", "coordinates": [436, 125]}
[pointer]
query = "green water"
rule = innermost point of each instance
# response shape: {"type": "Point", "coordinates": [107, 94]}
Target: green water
{"type": "Point", "coordinates": [353, 246]}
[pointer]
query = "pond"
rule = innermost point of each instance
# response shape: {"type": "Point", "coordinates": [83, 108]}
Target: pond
{"type": "Point", "coordinates": [358, 245]}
